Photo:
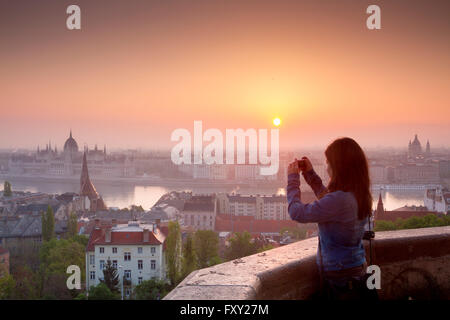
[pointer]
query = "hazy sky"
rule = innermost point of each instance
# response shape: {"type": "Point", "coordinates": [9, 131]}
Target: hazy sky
{"type": "Point", "coordinates": [140, 69]}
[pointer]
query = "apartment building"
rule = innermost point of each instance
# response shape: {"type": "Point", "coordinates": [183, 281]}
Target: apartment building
{"type": "Point", "coordinates": [135, 249]}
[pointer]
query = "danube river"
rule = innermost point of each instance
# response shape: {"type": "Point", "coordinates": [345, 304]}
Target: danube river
{"type": "Point", "coordinates": [124, 195]}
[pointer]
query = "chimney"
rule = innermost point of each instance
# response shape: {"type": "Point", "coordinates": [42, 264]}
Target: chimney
{"type": "Point", "coordinates": [97, 223]}
{"type": "Point", "coordinates": [158, 222]}
{"type": "Point", "coordinates": [146, 235]}
{"type": "Point", "coordinates": [108, 235]}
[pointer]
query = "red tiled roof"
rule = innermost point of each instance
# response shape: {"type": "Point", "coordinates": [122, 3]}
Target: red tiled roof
{"type": "Point", "coordinates": [97, 237]}
{"type": "Point", "coordinates": [250, 224]}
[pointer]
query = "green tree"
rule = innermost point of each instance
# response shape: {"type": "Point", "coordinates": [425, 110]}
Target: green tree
{"type": "Point", "coordinates": [7, 192]}
{"type": "Point", "coordinates": [173, 252]}
{"type": "Point", "coordinates": [241, 245]}
{"type": "Point", "coordinates": [56, 256]}
{"type": "Point", "coordinates": [110, 277]}
{"type": "Point", "coordinates": [153, 289]}
{"type": "Point", "coordinates": [7, 285]}
{"type": "Point", "coordinates": [27, 284]}
{"type": "Point", "coordinates": [206, 247]}
{"type": "Point", "coordinates": [102, 292]}
{"type": "Point", "coordinates": [72, 225]}
{"type": "Point", "coordinates": [297, 233]}
{"type": "Point", "coordinates": [189, 257]}
{"type": "Point", "coordinates": [427, 221]}
{"type": "Point", "coordinates": [48, 224]}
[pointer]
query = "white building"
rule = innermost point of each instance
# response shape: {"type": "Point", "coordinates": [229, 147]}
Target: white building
{"type": "Point", "coordinates": [261, 207]}
{"type": "Point", "coordinates": [437, 199]}
{"type": "Point", "coordinates": [135, 249]}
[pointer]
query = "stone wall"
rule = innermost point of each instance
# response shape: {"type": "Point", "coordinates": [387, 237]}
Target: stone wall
{"type": "Point", "coordinates": [414, 264]}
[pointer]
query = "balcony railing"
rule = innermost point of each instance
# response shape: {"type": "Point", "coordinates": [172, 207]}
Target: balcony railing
{"type": "Point", "coordinates": [414, 264]}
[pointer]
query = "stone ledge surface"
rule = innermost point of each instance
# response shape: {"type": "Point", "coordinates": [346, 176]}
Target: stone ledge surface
{"type": "Point", "coordinates": [290, 272]}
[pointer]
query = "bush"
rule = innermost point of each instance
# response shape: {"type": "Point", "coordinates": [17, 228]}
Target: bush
{"type": "Point", "coordinates": [102, 292]}
{"type": "Point", "coordinates": [427, 221]}
{"type": "Point", "coordinates": [151, 290]}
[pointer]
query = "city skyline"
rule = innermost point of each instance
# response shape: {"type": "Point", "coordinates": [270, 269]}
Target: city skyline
{"type": "Point", "coordinates": [136, 72]}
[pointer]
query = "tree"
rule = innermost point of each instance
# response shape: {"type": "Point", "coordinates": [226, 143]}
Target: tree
{"type": "Point", "coordinates": [102, 292]}
{"type": "Point", "coordinates": [7, 192]}
{"type": "Point", "coordinates": [72, 225]}
{"type": "Point", "coordinates": [48, 224]}
{"type": "Point", "coordinates": [153, 289]}
{"type": "Point", "coordinates": [110, 277]}
{"type": "Point", "coordinates": [297, 233]}
{"type": "Point", "coordinates": [206, 247]}
{"type": "Point", "coordinates": [241, 245]}
{"type": "Point", "coordinates": [136, 208]}
{"type": "Point", "coordinates": [173, 252]}
{"type": "Point", "coordinates": [56, 256]}
{"type": "Point", "coordinates": [189, 257]}
{"type": "Point", "coordinates": [427, 221]}
{"type": "Point", "coordinates": [7, 285]}
{"type": "Point", "coordinates": [27, 284]}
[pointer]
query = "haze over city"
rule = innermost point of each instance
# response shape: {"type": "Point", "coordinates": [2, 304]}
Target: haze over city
{"type": "Point", "coordinates": [137, 71]}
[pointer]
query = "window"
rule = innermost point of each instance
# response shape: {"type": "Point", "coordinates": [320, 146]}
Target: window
{"type": "Point", "coordinates": [153, 264]}
{"type": "Point", "coordinates": [92, 277]}
{"type": "Point", "coordinates": [152, 250]}
{"type": "Point", "coordinates": [140, 264]}
{"type": "Point", "coordinates": [114, 264]}
{"type": "Point", "coordinates": [102, 250]}
{"type": "Point", "coordinates": [114, 250]}
{"type": "Point", "coordinates": [102, 264]}
{"type": "Point", "coordinates": [127, 256]}
{"type": "Point", "coordinates": [139, 249]}
{"type": "Point", "coordinates": [139, 280]}
{"type": "Point", "coordinates": [127, 274]}
{"type": "Point", "coordinates": [91, 259]}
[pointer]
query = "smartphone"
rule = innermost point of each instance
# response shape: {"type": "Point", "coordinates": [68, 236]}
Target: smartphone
{"type": "Point", "coordinates": [301, 164]}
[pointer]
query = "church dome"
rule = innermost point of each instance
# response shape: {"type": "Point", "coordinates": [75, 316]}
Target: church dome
{"type": "Point", "coordinates": [70, 145]}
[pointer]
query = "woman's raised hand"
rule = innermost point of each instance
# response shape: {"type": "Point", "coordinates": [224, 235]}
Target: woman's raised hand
{"type": "Point", "coordinates": [308, 166]}
{"type": "Point", "coordinates": [293, 167]}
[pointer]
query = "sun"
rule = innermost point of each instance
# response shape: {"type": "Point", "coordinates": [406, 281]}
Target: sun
{"type": "Point", "coordinates": [276, 122]}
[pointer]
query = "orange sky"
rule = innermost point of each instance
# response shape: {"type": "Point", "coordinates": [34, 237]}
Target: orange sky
{"type": "Point", "coordinates": [140, 69]}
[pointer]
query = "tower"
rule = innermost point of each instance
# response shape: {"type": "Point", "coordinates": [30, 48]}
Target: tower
{"type": "Point", "coordinates": [380, 208]}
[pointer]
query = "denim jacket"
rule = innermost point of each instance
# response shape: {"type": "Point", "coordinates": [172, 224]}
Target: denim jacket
{"type": "Point", "coordinates": [340, 230]}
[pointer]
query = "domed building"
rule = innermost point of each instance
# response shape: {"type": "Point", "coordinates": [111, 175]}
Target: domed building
{"type": "Point", "coordinates": [71, 146]}
{"type": "Point", "coordinates": [414, 148]}
{"type": "Point", "coordinates": [49, 162]}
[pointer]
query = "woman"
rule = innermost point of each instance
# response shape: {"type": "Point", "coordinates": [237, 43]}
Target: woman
{"type": "Point", "coordinates": [341, 211]}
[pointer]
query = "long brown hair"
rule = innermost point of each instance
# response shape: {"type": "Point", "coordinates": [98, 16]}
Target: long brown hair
{"type": "Point", "coordinates": [350, 172]}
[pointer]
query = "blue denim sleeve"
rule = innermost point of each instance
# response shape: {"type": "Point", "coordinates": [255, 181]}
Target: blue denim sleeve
{"type": "Point", "coordinates": [323, 210]}
{"type": "Point", "coordinates": [314, 181]}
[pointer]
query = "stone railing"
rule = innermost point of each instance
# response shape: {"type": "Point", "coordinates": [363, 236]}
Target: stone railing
{"type": "Point", "coordinates": [414, 264]}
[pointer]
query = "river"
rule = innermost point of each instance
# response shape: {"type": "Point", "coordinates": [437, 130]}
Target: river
{"type": "Point", "coordinates": [124, 195]}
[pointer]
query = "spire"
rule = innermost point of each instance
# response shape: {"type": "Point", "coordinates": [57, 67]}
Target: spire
{"type": "Point", "coordinates": [84, 172]}
{"type": "Point", "coordinates": [70, 133]}
{"type": "Point", "coordinates": [104, 149]}
{"type": "Point", "coordinates": [380, 207]}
